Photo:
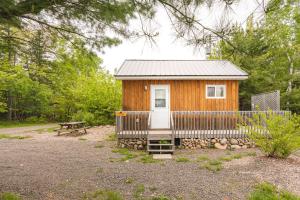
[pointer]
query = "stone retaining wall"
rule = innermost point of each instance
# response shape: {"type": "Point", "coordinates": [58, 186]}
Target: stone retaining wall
{"type": "Point", "coordinates": [134, 143]}
{"type": "Point", "coordinates": [192, 143]}
{"type": "Point", "coordinates": [216, 143]}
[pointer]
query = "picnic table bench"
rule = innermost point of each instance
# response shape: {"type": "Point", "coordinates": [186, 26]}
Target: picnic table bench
{"type": "Point", "coordinates": [71, 127]}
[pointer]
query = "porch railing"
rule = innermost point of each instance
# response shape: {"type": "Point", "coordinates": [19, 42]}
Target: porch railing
{"type": "Point", "coordinates": [214, 124]}
{"type": "Point", "coordinates": [133, 124]}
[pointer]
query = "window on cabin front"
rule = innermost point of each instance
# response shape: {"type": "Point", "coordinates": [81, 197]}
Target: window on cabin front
{"type": "Point", "coordinates": [215, 91]}
{"type": "Point", "coordinates": [160, 98]}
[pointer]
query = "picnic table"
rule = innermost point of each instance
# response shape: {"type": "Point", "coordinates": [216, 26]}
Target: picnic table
{"type": "Point", "coordinates": [73, 127]}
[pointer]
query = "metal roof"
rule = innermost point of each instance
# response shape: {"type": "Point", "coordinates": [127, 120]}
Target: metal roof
{"type": "Point", "coordinates": [179, 69]}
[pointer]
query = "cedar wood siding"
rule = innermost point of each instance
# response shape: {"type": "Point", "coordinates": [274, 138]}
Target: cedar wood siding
{"type": "Point", "coordinates": [185, 95]}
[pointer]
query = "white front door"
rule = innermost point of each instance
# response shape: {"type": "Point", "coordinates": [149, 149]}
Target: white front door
{"type": "Point", "coordinates": [160, 106]}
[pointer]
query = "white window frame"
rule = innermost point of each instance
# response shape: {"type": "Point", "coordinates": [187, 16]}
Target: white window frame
{"type": "Point", "coordinates": [215, 86]}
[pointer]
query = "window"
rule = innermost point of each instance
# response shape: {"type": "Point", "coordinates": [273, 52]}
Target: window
{"type": "Point", "coordinates": [160, 98]}
{"type": "Point", "coordinates": [215, 91]}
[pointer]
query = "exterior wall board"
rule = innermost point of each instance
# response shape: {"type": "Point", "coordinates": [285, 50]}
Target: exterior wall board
{"type": "Point", "coordinates": [185, 95]}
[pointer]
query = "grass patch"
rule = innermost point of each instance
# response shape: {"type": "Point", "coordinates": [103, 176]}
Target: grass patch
{"type": "Point", "coordinates": [112, 137]}
{"type": "Point", "coordinates": [210, 167]}
{"type": "Point", "coordinates": [182, 159]}
{"type": "Point", "coordinates": [267, 191]}
{"type": "Point", "coordinates": [16, 124]}
{"type": "Point", "coordinates": [99, 170]}
{"type": "Point", "coordinates": [138, 191]}
{"type": "Point", "coordinates": [202, 158]}
{"type": "Point", "coordinates": [9, 196]}
{"type": "Point", "coordinates": [250, 154]}
{"type": "Point", "coordinates": [160, 197]}
{"type": "Point", "coordinates": [237, 156]}
{"type": "Point", "coordinates": [226, 158]}
{"type": "Point", "coordinates": [153, 188]}
{"type": "Point", "coordinates": [217, 164]}
{"type": "Point", "coordinates": [99, 146]}
{"type": "Point", "coordinates": [6, 136]}
{"type": "Point", "coordinates": [129, 180]}
{"type": "Point", "coordinates": [82, 139]}
{"type": "Point", "coordinates": [148, 159]}
{"type": "Point", "coordinates": [103, 195]}
{"type": "Point", "coordinates": [128, 155]}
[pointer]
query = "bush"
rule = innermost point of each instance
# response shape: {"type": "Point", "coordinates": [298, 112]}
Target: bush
{"type": "Point", "coordinates": [87, 117]}
{"type": "Point", "coordinates": [267, 191]}
{"type": "Point", "coordinates": [276, 135]}
{"type": "Point", "coordinates": [35, 119]}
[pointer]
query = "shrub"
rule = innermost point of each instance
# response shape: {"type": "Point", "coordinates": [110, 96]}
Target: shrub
{"type": "Point", "coordinates": [267, 191]}
{"type": "Point", "coordinates": [87, 117]}
{"type": "Point", "coordinates": [276, 135]}
{"type": "Point", "coordinates": [35, 119]}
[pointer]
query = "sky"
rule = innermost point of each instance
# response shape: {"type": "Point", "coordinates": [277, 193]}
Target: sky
{"type": "Point", "coordinates": [167, 47]}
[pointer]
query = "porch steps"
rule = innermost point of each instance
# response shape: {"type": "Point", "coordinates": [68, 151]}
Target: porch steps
{"type": "Point", "coordinates": [160, 142]}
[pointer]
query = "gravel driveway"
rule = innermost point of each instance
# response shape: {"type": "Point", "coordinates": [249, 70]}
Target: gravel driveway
{"type": "Point", "coordinates": [50, 167]}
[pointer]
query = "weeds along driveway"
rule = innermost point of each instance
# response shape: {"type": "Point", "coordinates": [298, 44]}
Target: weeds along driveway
{"type": "Point", "coordinates": [49, 167]}
{"type": "Point", "coordinates": [26, 129]}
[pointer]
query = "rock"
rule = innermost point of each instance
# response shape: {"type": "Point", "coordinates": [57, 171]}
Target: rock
{"type": "Point", "coordinates": [234, 141]}
{"type": "Point", "coordinates": [235, 146]}
{"type": "Point", "coordinates": [223, 141]}
{"type": "Point", "coordinates": [139, 142]}
{"type": "Point", "coordinates": [219, 146]}
{"type": "Point", "coordinates": [244, 147]}
{"type": "Point", "coordinates": [140, 147]}
{"type": "Point", "coordinates": [122, 145]}
{"type": "Point", "coordinates": [213, 141]}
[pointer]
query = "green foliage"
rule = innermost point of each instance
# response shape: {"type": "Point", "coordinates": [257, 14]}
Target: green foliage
{"type": "Point", "coordinates": [10, 124]}
{"type": "Point", "coordinates": [127, 154]}
{"type": "Point", "coordinates": [129, 180]}
{"type": "Point", "coordinates": [146, 159]}
{"type": "Point", "coordinates": [276, 135]}
{"type": "Point", "coordinates": [71, 87]}
{"type": "Point", "coordinates": [202, 158]}
{"type": "Point", "coordinates": [212, 165]}
{"type": "Point", "coordinates": [112, 137]}
{"type": "Point", "coordinates": [161, 197]}
{"type": "Point", "coordinates": [269, 52]}
{"type": "Point", "coordinates": [103, 195]}
{"type": "Point", "coordinates": [9, 196]}
{"type": "Point", "coordinates": [138, 191]}
{"type": "Point", "coordinates": [6, 136]}
{"type": "Point", "coordinates": [267, 191]}
{"type": "Point", "coordinates": [182, 159]}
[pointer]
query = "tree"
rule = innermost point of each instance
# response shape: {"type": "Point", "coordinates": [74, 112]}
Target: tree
{"type": "Point", "coordinates": [268, 51]}
{"type": "Point", "coordinates": [94, 21]}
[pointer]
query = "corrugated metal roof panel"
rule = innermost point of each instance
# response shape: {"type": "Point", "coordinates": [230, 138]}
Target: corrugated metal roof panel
{"type": "Point", "coordinates": [143, 68]}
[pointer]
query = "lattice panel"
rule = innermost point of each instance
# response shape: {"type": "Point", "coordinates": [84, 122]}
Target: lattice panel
{"type": "Point", "coordinates": [266, 101]}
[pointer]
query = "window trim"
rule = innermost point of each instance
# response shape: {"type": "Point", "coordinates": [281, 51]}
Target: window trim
{"type": "Point", "coordinates": [215, 86]}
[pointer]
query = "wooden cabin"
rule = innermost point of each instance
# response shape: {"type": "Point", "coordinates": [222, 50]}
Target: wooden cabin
{"type": "Point", "coordinates": [169, 99]}
{"type": "Point", "coordinates": [193, 102]}
{"type": "Point", "coordinates": [162, 86]}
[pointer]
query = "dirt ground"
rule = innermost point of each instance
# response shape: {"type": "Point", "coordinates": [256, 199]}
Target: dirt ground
{"type": "Point", "coordinates": [46, 166]}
